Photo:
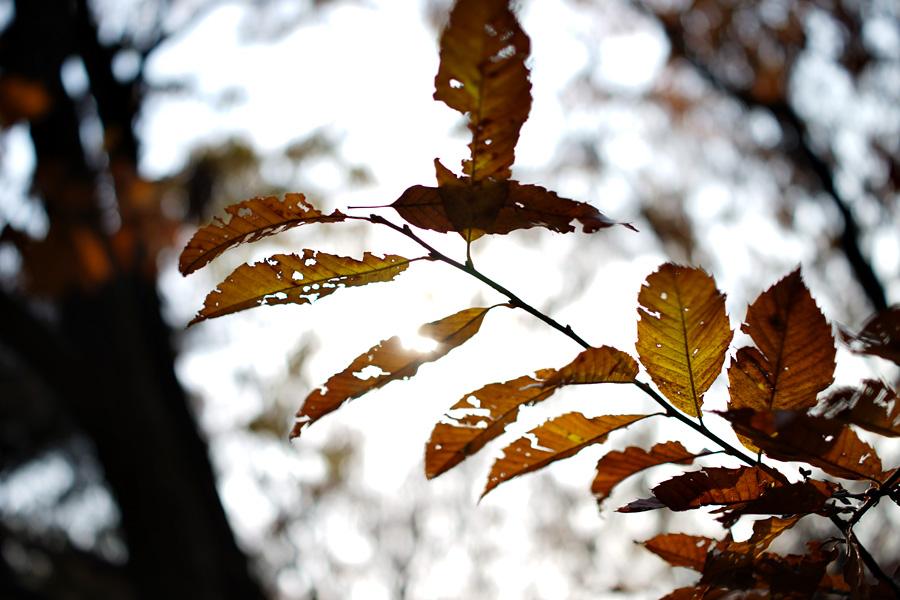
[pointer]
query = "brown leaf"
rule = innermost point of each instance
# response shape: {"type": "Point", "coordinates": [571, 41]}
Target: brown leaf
{"type": "Point", "coordinates": [683, 333]}
{"type": "Point", "coordinates": [800, 498]}
{"type": "Point", "coordinates": [249, 221]}
{"type": "Point", "coordinates": [795, 436]}
{"type": "Point", "coordinates": [482, 415]}
{"type": "Point", "coordinates": [617, 466]}
{"type": "Point", "coordinates": [498, 207]}
{"type": "Point", "coordinates": [293, 279]}
{"type": "Point", "coordinates": [874, 407]}
{"type": "Point", "coordinates": [483, 75]}
{"type": "Point", "coordinates": [392, 360]}
{"type": "Point", "coordinates": [794, 355]}
{"type": "Point", "coordinates": [680, 550]}
{"type": "Point", "coordinates": [880, 336]}
{"type": "Point", "coordinates": [764, 533]}
{"type": "Point", "coordinates": [557, 439]}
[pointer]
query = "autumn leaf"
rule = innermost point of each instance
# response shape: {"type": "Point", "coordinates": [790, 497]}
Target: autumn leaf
{"type": "Point", "coordinates": [482, 415]}
{"type": "Point", "coordinates": [617, 466]}
{"type": "Point", "coordinates": [795, 436]}
{"type": "Point", "coordinates": [249, 221]}
{"type": "Point", "coordinates": [557, 439]}
{"type": "Point", "coordinates": [874, 407]}
{"type": "Point", "coordinates": [495, 207]}
{"type": "Point", "coordinates": [391, 361]}
{"type": "Point", "coordinates": [794, 355]}
{"type": "Point", "coordinates": [880, 336]}
{"type": "Point", "coordinates": [483, 75]}
{"type": "Point", "coordinates": [293, 279]}
{"type": "Point", "coordinates": [683, 333]}
{"type": "Point", "coordinates": [680, 550]}
{"type": "Point", "coordinates": [765, 532]}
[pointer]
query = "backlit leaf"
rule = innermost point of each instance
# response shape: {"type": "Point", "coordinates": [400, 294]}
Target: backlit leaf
{"type": "Point", "coordinates": [683, 333]}
{"type": "Point", "coordinates": [293, 279]}
{"type": "Point", "coordinates": [496, 207]}
{"type": "Point", "coordinates": [617, 466]}
{"type": "Point", "coordinates": [482, 415]}
{"type": "Point", "coordinates": [794, 355]}
{"type": "Point", "coordinates": [483, 75]}
{"type": "Point", "coordinates": [880, 336]}
{"type": "Point", "coordinates": [249, 221]}
{"type": "Point", "coordinates": [874, 407]}
{"type": "Point", "coordinates": [680, 550]}
{"type": "Point", "coordinates": [556, 439]}
{"type": "Point", "coordinates": [795, 436]}
{"type": "Point", "coordinates": [765, 532]}
{"type": "Point", "coordinates": [391, 361]}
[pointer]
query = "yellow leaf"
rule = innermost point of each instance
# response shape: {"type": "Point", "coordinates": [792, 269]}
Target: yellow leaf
{"type": "Point", "coordinates": [558, 438]}
{"type": "Point", "coordinates": [249, 221]}
{"type": "Point", "coordinates": [683, 333]}
{"type": "Point", "coordinates": [293, 279]}
{"type": "Point", "coordinates": [482, 415]}
{"type": "Point", "coordinates": [483, 75]}
{"type": "Point", "coordinates": [794, 355]}
{"type": "Point", "coordinates": [392, 361]}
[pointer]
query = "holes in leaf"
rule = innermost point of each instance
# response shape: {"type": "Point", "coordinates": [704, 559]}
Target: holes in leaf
{"type": "Point", "coordinates": [456, 84]}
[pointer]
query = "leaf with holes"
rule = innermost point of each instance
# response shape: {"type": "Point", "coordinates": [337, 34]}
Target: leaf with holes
{"type": "Point", "coordinates": [482, 415]}
{"type": "Point", "coordinates": [557, 439]}
{"type": "Point", "coordinates": [249, 221]}
{"type": "Point", "coordinates": [874, 406]}
{"type": "Point", "coordinates": [293, 279]}
{"type": "Point", "coordinates": [880, 336]}
{"type": "Point", "coordinates": [483, 75]}
{"type": "Point", "coordinates": [617, 466]}
{"type": "Point", "coordinates": [796, 436]}
{"type": "Point", "coordinates": [794, 355]}
{"type": "Point", "coordinates": [683, 333]}
{"type": "Point", "coordinates": [391, 361]}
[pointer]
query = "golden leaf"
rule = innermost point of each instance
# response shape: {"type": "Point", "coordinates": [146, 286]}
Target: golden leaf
{"type": "Point", "coordinates": [683, 333]}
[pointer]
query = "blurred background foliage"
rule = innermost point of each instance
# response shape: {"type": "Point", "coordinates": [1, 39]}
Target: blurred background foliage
{"type": "Point", "coordinates": [138, 459]}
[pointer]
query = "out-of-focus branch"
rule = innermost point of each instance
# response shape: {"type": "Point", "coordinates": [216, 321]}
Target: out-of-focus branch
{"type": "Point", "coordinates": [803, 156]}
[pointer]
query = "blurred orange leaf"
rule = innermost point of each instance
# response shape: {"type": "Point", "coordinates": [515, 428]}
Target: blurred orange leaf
{"type": "Point", "coordinates": [293, 279]}
{"type": "Point", "coordinates": [391, 361]}
{"type": "Point", "coordinates": [482, 415]}
{"type": "Point", "coordinates": [683, 333]}
{"type": "Point", "coordinates": [874, 407]}
{"type": "Point", "coordinates": [22, 99]}
{"type": "Point", "coordinates": [880, 336]}
{"type": "Point", "coordinates": [794, 355]}
{"type": "Point", "coordinates": [556, 439]}
{"type": "Point", "coordinates": [617, 466]}
{"type": "Point", "coordinates": [249, 221]}
{"type": "Point", "coordinates": [483, 75]}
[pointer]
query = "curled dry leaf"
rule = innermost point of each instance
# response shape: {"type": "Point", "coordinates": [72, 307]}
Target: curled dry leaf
{"type": "Point", "coordinates": [874, 406]}
{"type": "Point", "coordinates": [249, 221]}
{"type": "Point", "coordinates": [794, 355]}
{"type": "Point", "coordinates": [483, 75]}
{"type": "Point", "coordinates": [392, 360]}
{"type": "Point", "coordinates": [880, 336]}
{"type": "Point", "coordinates": [617, 466]}
{"type": "Point", "coordinates": [482, 415]}
{"type": "Point", "coordinates": [496, 207]}
{"type": "Point", "coordinates": [557, 439]}
{"type": "Point", "coordinates": [796, 436]}
{"type": "Point", "coordinates": [293, 279]}
{"type": "Point", "coordinates": [683, 333]}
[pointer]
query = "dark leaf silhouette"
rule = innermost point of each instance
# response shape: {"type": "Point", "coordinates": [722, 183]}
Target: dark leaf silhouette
{"type": "Point", "coordinates": [249, 221]}
{"type": "Point", "coordinates": [483, 75]}
{"type": "Point", "coordinates": [874, 406]}
{"type": "Point", "coordinates": [391, 361]}
{"type": "Point", "coordinates": [297, 279]}
{"type": "Point", "coordinates": [880, 336]}
{"type": "Point", "coordinates": [558, 438]}
{"type": "Point", "coordinates": [496, 207]}
{"type": "Point", "coordinates": [681, 550]}
{"type": "Point", "coordinates": [794, 355]}
{"type": "Point", "coordinates": [617, 466]}
{"type": "Point", "coordinates": [795, 436]}
{"type": "Point", "coordinates": [683, 333]}
{"type": "Point", "coordinates": [483, 414]}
